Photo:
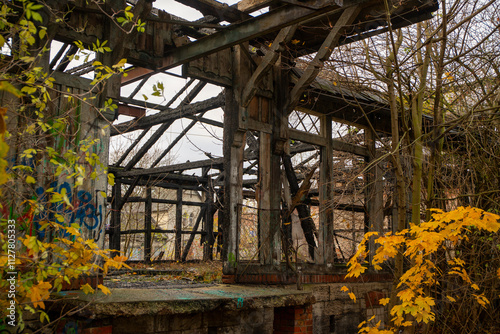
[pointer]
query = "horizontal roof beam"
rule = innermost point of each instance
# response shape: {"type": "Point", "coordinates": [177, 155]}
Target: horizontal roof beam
{"type": "Point", "coordinates": [169, 114]}
{"type": "Point", "coordinates": [234, 34]}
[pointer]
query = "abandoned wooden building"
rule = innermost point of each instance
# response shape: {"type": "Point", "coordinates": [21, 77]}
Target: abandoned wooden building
{"type": "Point", "coordinates": [297, 183]}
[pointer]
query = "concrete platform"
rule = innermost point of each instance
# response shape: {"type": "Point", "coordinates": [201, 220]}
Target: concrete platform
{"type": "Point", "coordinates": [139, 302]}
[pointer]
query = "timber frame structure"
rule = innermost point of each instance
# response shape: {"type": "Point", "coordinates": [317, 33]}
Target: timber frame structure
{"type": "Point", "coordinates": [253, 58]}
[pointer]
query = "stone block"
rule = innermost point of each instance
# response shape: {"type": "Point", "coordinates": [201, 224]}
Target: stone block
{"type": "Point", "coordinates": [346, 323]}
{"type": "Point", "coordinates": [133, 325]}
{"type": "Point", "coordinates": [180, 322]}
{"type": "Point", "coordinates": [321, 292]}
{"type": "Point", "coordinates": [220, 318]}
{"type": "Point", "coordinates": [229, 330]}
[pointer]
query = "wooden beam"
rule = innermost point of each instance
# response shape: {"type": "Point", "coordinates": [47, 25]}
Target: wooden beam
{"type": "Point", "coordinates": [191, 237]}
{"type": "Point", "coordinates": [148, 144]}
{"type": "Point", "coordinates": [374, 191]}
{"type": "Point", "coordinates": [169, 114]}
{"type": "Point", "coordinates": [303, 210]}
{"type": "Point", "coordinates": [249, 6]}
{"type": "Point", "coordinates": [178, 225]}
{"type": "Point", "coordinates": [233, 35]}
{"type": "Point", "coordinates": [216, 9]}
{"type": "Point", "coordinates": [306, 137]}
{"type": "Point", "coordinates": [278, 46]}
{"type": "Point", "coordinates": [115, 236]}
{"type": "Point", "coordinates": [339, 145]}
{"type": "Point", "coordinates": [208, 244]}
{"type": "Point", "coordinates": [173, 143]}
{"type": "Point", "coordinates": [171, 168]}
{"type": "Point", "coordinates": [161, 130]}
{"type": "Point", "coordinates": [322, 55]}
{"type": "Point", "coordinates": [327, 253]}
{"type": "Point", "coordinates": [148, 212]}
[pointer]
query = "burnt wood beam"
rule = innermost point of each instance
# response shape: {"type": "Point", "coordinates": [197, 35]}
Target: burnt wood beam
{"type": "Point", "coordinates": [326, 49]}
{"type": "Point", "coordinates": [143, 112]}
{"type": "Point", "coordinates": [163, 184]}
{"type": "Point", "coordinates": [169, 114]}
{"type": "Point", "coordinates": [115, 237]}
{"type": "Point", "coordinates": [278, 46]}
{"type": "Point", "coordinates": [131, 147]}
{"type": "Point", "coordinates": [178, 225]}
{"type": "Point", "coordinates": [173, 143]}
{"type": "Point", "coordinates": [158, 230]}
{"type": "Point", "coordinates": [206, 121]}
{"type": "Point", "coordinates": [192, 94]}
{"type": "Point", "coordinates": [148, 212]}
{"type": "Point", "coordinates": [172, 168]}
{"type": "Point", "coordinates": [129, 192]}
{"type": "Point", "coordinates": [161, 130]}
{"type": "Point", "coordinates": [306, 222]}
{"type": "Point", "coordinates": [195, 229]}
{"type": "Point", "coordinates": [233, 35]}
{"type": "Point", "coordinates": [148, 144]}
{"type": "Point", "coordinates": [217, 9]}
{"type": "Point", "coordinates": [249, 6]}
{"type": "Point", "coordinates": [196, 164]}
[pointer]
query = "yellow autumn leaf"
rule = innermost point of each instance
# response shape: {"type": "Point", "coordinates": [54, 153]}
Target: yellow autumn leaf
{"type": "Point", "coordinates": [104, 289]}
{"type": "Point", "coordinates": [30, 179]}
{"type": "Point", "coordinates": [87, 289]}
{"type": "Point", "coordinates": [384, 301]}
{"type": "Point", "coordinates": [482, 300]}
{"type": "Point", "coordinates": [39, 293]}
{"type": "Point", "coordinates": [352, 296]}
{"type": "Point", "coordinates": [111, 179]}
{"type": "Point", "coordinates": [406, 295]}
{"type": "Point", "coordinates": [451, 299]}
{"type": "Point", "coordinates": [344, 289]}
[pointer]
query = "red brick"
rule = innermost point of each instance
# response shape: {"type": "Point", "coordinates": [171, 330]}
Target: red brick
{"type": "Point", "coordinates": [228, 279]}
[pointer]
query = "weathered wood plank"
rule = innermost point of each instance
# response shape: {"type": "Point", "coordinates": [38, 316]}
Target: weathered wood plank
{"type": "Point", "coordinates": [306, 137]}
{"type": "Point", "coordinates": [327, 252]}
{"type": "Point", "coordinates": [169, 114]}
{"type": "Point", "coordinates": [178, 225]}
{"type": "Point", "coordinates": [217, 9]}
{"type": "Point", "coordinates": [148, 212]}
{"type": "Point", "coordinates": [195, 229]}
{"type": "Point", "coordinates": [322, 55]}
{"type": "Point", "coordinates": [233, 35]}
{"type": "Point", "coordinates": [279, 43]}
{"type": "Point", "coordinates": [374, 191]}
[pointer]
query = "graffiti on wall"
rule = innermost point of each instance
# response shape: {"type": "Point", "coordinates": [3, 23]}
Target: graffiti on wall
{"type": "Point", "coordinates": [84, 210]}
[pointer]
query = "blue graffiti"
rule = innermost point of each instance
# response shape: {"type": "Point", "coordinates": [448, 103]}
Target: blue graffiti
{"type": "Point", "coordinates": [85, 212]}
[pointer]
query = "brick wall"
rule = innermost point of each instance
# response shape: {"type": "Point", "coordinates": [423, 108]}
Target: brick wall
{"type": "Point", "coordinates": [305, 278]}
{"type": "Point", "coordinates": [288, 320]}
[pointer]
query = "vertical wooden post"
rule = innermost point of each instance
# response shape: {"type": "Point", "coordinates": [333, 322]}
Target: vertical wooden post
{"type": "Point", "coordinates": [115, 235]}
{"type": "Point", "coordinates": [148, 212]}
{"type": "Point", "coordinates": [178, 225]}
{"type": "Point", "coordinates": [373, 191]}
{"type": "Point", "coordinates": [267, 229]}
{"type": "Point", "coordinates": [327, 253]}
{"type": "Point", "coordinates": [235, 122]}
{"type": "Point", "coordinates": [209, 223]}
{"type": "Point", "coordinates": [233, 183]}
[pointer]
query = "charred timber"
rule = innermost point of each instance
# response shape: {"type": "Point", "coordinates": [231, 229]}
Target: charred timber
{"type": "Point", "coordinates": [169, 114]}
